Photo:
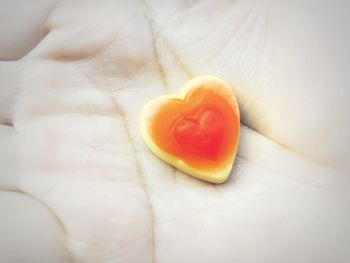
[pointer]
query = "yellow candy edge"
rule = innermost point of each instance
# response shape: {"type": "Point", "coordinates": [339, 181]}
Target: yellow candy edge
{"type": "Point", "coordinates": [219, 176]}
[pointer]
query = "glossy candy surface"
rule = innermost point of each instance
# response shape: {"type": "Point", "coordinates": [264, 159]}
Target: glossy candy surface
{"type": "Point", "coordinates": [195, 130]}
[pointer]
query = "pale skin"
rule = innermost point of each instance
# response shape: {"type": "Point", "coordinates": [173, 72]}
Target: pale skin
{"type": "Point", "coordinates": [79, 185]}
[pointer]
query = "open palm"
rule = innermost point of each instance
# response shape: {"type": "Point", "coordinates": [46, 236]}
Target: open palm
{"type": "Point", "coordinates": [75, 146]}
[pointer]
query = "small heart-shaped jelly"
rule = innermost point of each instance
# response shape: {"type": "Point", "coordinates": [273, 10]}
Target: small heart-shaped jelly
{"type": "Point", "coordinates": [195, 130]}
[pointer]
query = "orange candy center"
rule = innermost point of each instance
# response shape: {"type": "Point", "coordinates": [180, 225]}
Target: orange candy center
{"type": "Point", "coordinates": [201, 130]}
{"type": "Point", "coordinates": [201, 134]}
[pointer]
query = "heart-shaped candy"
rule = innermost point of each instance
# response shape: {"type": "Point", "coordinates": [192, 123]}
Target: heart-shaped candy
{"type": "Point", "coordinates": [195, 130]}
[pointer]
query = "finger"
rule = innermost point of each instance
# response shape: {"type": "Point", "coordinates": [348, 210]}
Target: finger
{"type": "Point", "coordinates": [20, 26]}
{"type": "Point", "coordinates": [29, 232]}
{"type": "Point", "coordinates": [8, 89]}
{"type": "Point", "coordinates": [91, 32]}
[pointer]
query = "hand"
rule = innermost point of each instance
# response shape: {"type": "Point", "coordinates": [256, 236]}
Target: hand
{"type": "Point", "coordinates": [98, 192]}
